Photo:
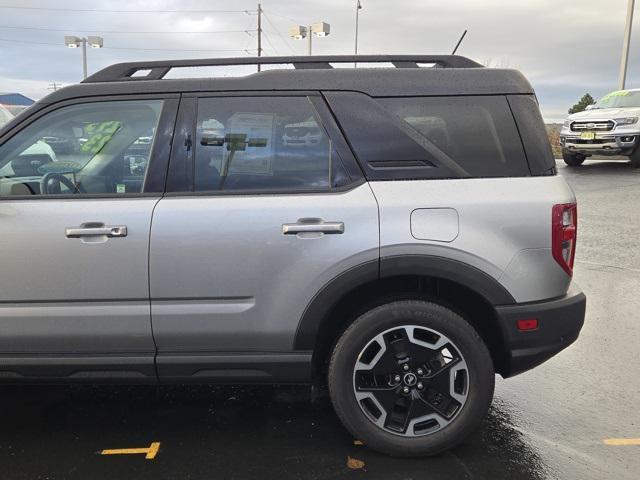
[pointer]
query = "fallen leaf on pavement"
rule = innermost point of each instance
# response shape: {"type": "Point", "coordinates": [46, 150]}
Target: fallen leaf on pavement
{"type": "Point", "coordinates": [354, 463]}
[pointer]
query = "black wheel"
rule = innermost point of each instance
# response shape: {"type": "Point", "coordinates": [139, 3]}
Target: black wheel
{"type": "Point", "coordinates": [635, 158]}
{"type": "Point", "coordinates": [411, 378]}
{"type": "Point", "coordinates": [573, 159]}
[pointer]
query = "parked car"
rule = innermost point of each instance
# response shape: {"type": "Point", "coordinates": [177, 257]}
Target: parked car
{"type": "Point", "coordinates": [303, 133]}
{"type": "Point", "coordinates": [608, 127]}
{"type": "Point", "coordinates": [5, 116]}
{"type": "Point", "coordinates": [421, 245]}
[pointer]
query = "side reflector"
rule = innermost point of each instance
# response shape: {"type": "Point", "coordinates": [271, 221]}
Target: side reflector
{"type": "Point", "coordinates": [528, 324]}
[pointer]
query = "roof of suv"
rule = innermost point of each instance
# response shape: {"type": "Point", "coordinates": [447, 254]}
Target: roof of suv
{"type": "Point", "coordinates": [449, 75]}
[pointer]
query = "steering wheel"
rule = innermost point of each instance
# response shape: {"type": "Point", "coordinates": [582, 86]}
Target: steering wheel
{"type": "Point", "coordinates": [59, 177]}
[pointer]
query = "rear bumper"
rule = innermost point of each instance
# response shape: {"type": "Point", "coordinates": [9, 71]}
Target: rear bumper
{"type": "Point", "coordinates": [559, 324]}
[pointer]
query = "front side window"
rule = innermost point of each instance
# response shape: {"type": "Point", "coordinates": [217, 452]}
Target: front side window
{"type": "Point", "coordinates": [262, 143]}
{"type": "Point", "coordinates": [91, 148]}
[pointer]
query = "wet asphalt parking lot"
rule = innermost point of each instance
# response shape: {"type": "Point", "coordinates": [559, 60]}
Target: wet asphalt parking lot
{"type": "Point", "coordinates": [551, 422]}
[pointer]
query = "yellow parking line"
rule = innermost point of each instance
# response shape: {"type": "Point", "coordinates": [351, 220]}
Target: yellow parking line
{"type": "Point", "coordinates": [621, 441]}
{"type": "Point", "coordinates": [150, 452]}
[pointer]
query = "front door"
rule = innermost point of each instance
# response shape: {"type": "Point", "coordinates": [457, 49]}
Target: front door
{"type": "Point", "coordinates": [275, 211]}
{"type": "Point", "coordinates": [75, 217]}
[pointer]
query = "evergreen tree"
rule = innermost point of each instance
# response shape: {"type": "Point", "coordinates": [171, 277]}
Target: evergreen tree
{"type": "Point", "coordinates": [586, 100]}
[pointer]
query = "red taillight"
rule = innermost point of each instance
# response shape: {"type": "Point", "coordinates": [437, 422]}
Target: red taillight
{"type": "Point", "coordinates": [564, 230]}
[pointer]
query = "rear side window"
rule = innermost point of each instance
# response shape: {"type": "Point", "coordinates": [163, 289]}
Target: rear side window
{"type": "Point", "coordinates": [263, 143]}
{"type": "Point", "coordinates": [478, 133]}
{"type": "Point", "coordinates": [433, 137]}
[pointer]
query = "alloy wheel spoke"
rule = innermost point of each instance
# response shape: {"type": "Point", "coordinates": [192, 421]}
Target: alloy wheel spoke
{"type": "Point", "coordinates": [368, 381]}
{"type": "Point", "coordinates": [441, 361]}
{"type": "Point", "coordinates": [400, 414]}
{"type": "Point", "coordinates": [401, 348]}
{"type": "Point", "coordinates": [442, 403]}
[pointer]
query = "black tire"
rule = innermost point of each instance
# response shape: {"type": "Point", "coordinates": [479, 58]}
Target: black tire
{"type": "Point", "coordinates": [465, 339]}
{"type": "Point", "coordinates": [635, 158]}
{"type": "Point", "coordinates": [573, 159]}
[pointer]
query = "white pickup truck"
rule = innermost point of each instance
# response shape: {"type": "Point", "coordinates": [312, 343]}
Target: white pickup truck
{"type": "Point", "coordinates": [608, 127]}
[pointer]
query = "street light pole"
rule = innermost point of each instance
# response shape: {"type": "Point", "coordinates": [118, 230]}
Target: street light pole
{"type": "Point", "coordinates": [75, 42]}
{"type": "Point", "coordinates": [622, 77]}
{"type": "Point", "coordinates": [309, 35]}
{"type": "Point", "coordinates": [84, 58]}
{"type": "Point", "coordinates": [358, 7]}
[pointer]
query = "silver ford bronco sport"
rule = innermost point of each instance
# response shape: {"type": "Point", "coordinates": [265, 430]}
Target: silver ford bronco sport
{"type": "Point", "coordinates": [398, 234]}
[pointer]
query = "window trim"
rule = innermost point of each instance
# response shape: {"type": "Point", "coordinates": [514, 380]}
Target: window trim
{"type": "Point", "coordinates": [158, 160]}
{"type": "Point", "coordinates": [181, 181]}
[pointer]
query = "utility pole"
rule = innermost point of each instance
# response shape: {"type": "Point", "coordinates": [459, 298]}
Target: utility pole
{"type": "Point", "coordinates": [259, 32]}
{"type": "Point", "coordinates": [622, 78]}
{"type": "Point", "coordinates": [54, 86]}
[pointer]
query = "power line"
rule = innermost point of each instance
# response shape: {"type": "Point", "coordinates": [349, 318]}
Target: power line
{"type": "Point", "coordinates": [269, 42]}
{"type": "Point", "coordinates": [278, 33]}
{"type": "Point", "coordinates": [295, 22]}
{"type": "Point", "coordinates": [180, 49]}
{"type": "Point", "coordinates": [92, 10]}
{"type": "Point", "coordinates": [121, 31]}
{"type": "Point", "coordinates": [33, 42]}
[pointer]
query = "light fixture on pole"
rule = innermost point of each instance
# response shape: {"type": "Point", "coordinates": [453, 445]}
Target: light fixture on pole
{"type": "Point", "coordinates": [318, 29]}
{"type": "Point", "coordinates": [72, 41]}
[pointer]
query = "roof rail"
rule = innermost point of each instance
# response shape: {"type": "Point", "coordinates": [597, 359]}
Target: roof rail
{"type": "Point", "coordinates": [121, 72]}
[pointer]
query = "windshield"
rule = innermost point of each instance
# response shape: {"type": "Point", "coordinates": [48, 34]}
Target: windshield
{"type": "Point", "coordinates": [5, 116]}
{"type": "Point", "coordinates": [620, 99]}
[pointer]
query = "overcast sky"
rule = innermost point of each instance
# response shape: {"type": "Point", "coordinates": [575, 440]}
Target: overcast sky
{"type": "Point", "coordinates": [565, 48]}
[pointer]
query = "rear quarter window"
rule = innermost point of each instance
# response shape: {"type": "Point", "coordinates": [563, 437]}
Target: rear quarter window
{"type": "Point", "coordinates": [431, 137]}
{"type": "Point", "coordinates": [477, 132]}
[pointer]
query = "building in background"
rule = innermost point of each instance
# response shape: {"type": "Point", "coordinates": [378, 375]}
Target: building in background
{"type": "Point", "coordinates": [15, 102]}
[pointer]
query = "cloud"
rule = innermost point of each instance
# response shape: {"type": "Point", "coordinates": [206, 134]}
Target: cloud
{"type": "Point", "coordinates": [564, 48]}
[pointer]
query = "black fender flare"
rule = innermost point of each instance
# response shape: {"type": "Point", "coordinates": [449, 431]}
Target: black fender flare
{"type": "Point", "coordinates": [397, 265]}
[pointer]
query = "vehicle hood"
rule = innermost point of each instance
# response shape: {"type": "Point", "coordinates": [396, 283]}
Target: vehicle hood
{"type": "Point", "coordinates": [605, 113]}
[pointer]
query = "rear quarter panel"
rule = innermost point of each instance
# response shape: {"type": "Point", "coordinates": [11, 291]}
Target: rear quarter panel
{"type": "Point", "coordinates": [504, 227]}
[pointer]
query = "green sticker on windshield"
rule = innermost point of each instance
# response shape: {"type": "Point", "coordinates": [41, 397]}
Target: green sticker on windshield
{"type": "Point", "coordinates": [121, 188]}
{"type": "Point", "coordinates": [618, 93]}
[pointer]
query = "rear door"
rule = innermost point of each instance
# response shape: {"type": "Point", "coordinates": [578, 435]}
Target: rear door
{"type": "Point", "coordinates": [267, 206]}
{"type": "Point", "coordinates": [77, 189]}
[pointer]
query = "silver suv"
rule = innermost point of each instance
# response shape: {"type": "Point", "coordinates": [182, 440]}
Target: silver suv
{"type": "Point", "coordinates": [608, 127]}
{"type": "Point", "coordinates": [421, 243]}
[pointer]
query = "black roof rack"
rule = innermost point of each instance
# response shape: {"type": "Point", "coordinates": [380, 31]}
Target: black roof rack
{"type": "Point", "coordinates": [158, 69]}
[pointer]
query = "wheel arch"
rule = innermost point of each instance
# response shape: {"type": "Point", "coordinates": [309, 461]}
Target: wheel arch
{"type": "Point", "coordinates": [461, 287]}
